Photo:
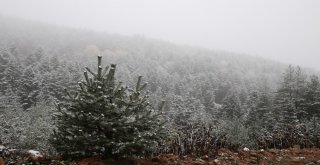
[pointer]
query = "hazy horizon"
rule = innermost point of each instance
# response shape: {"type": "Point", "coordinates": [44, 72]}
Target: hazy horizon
{"type": "Point", "coordinates": [286, 31]}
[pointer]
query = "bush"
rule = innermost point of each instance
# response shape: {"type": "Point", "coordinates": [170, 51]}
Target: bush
{"type": "Point", "coordinates": [26, 129]}
{"type": "Point", "coordinates": [236, 134]}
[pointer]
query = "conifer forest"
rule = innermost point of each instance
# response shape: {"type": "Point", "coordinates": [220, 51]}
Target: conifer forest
{"type": "Point", "coordinates": [68, 94]}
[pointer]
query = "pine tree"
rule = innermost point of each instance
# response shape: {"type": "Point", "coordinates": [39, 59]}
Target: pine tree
{"type": "Point", "coordinates": [10, 73]}
{"type": "Point", "coordinates": [231, 107]}
{"type": "Point", "coordinates": [106, 118]}
{"type": "Point", "coordinates": [299, 90]}
{"type": "Point", "coordinates": [55, 78]}
{"type": "Point", "coordinates": [187, 111]}
{"type": "Point", "coordinates": [311, 97]}
{"type": "Point", "coordinates": [28, 89]}
{"type": "Point", "coordinates": [289, 107]}
{"type": "Point", "coordinates": [259, 120]}
{"type": "Point", "coordinates": [252, 106]}
{"type": "Point", "coordinates": [284, 100]}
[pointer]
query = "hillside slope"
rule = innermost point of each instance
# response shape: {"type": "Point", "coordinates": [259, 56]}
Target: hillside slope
{"type": "Point", "coordinates": [166, 66]}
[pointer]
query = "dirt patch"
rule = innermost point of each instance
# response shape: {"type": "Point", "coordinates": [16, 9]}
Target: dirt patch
{"type": "Point", "coordinates": [291, 156]}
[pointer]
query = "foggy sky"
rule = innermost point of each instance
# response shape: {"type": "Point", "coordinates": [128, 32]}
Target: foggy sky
{"type": "Point", "coordinates": [283, 30]}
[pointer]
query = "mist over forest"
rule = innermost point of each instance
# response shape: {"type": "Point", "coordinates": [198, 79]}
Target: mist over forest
{"type": "Point", "coordinates": [54, 96]}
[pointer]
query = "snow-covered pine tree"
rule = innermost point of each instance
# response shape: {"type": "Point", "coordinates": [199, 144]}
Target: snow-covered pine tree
{"type": "Point", "coordinates": [299, 90]}
{"type": "Point", "coordinates": [10, 70]}
{"type": "Point", "coordinates": [259, 121]}
{"type": "Point", "coordinates": [106, 118]}
{"type": "Point", "coordinates": [312, 97]}
{"type": "Point", "coordinates": [285, 99]}
{"type": "Point", "coordinates": [231, 108]}
{"type": "Point", "coordinates": [28, 89]}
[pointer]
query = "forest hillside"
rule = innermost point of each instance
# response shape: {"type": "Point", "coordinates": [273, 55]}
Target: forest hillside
{"type": "Point", "coordinates": [164, 65]}
{"type": "Point", "coordinates": [209, 99]}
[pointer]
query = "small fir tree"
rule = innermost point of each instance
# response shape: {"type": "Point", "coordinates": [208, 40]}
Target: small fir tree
{"type": "Point", "coordinates": [106, 118]}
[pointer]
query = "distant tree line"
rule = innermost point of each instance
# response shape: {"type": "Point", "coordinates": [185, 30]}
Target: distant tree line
{"type": "Point", "coordinates": [195, 120]}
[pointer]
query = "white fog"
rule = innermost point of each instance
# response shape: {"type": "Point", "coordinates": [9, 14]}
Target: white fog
{"type": "Point", "coordinates": [286, 30]}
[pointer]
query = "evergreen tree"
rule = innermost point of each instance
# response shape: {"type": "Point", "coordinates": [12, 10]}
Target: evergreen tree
{"type": "Point", "coordinates": [55, 78]}
{"type": "Point", "coordinates": [4, 64]}
{"type": "Point", "coordinates": [284, 100]}
{"type": "Point", "coordinates": [299, 90]}
{"type": "Point", "coordinates": [289, 108]}
{"type": "Point", "coordinates": [231, 107]}
{"type": "Point", "coordinates": [106, 118]}
{"type": "Point", "coordinates": [28, 89]}
{"type": "Point", "coordinates": [312, 97]}
{"type": "Point", "coordinates": [252, 106]}
{"type": "Point", "coordinates": [259, 120]}
{"type": "Point", "coordinates": [10, 73]}
{"type": "Point", "coordinates": [187, 111]}
{"type": "Point", "coordinates": [313, 128]}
